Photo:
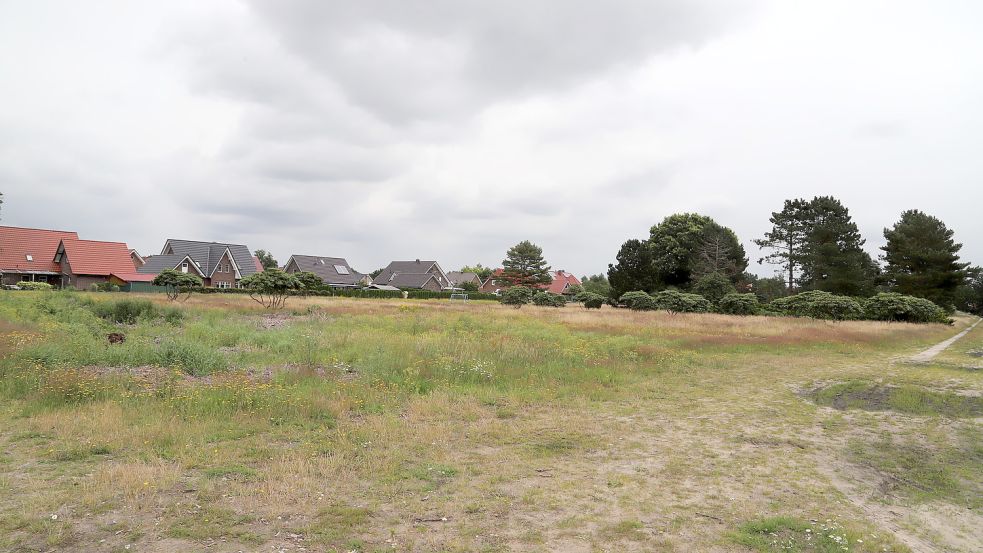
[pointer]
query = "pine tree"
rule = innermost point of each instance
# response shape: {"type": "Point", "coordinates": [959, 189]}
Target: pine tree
{"type": "Point", "coordinates": [524, 266]}
{"type": "Point", "coordinates": [833, 258]}
{"type": "Point", "coordinates": [787, 239]}
{"type": "Point", "coordinates": [634, 269]}
{"type": "Point", "coordinates": [679, 242]}
{"type": "Point", "coordinates": [922, 259]}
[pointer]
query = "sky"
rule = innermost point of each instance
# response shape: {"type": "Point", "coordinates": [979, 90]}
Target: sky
{"type": "Point", "coordinates": [453, 129]}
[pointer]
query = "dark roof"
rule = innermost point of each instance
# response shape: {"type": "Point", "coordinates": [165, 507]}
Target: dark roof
{"type": "Point", "coordinates": [411, 267]}
{"type": "Point", "coordinates": [457, 277]}
{"type": "Point", "coordinates": [157, 263]}
{"type": "Point", "coordinates": [410, 280]}
{"type": "Point", "coordinates": [324, 267]}
{"type": "Point", "coordinates": [208, 254]}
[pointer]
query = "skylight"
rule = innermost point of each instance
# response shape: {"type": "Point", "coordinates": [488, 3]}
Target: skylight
{"type": "Point", "coordinates": [30, 257]}
{"type": "Point", "coordinates": [342, 270]}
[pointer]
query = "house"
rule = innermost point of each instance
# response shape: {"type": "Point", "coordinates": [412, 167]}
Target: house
{"type": "Point", "coordinates": [560, 283]}
{"type": "Point", "coordinates": [259, 264]}
{"type": "Point", "coordinates": [28, 254]}
{"type": "Point", "coordinates": [138, 260]}
{"type": "Point", "coordinates": [86, 262]}
{"type": "Point", "coordinates": [219, 265]}
{"type": "Point", "coordinates": [457, 278]}
{"type": "Point", "coordinates": [334, 271]}
{"type": "Point", "coordinates": [421, 275]}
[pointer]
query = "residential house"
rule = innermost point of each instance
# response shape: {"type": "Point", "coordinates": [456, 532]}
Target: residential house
{"type": "Point", "coordinates": [560, 283]}
{"type": "Point", "coordinates": [334, 271]}
{"type": "Point", "coordinates": [219, 265]}
{"type": "Point", "coordinates": [421, 275]}
{"type": "Point", "coordinates": [457, 278]}
{"type": "Point", "coordinates": [138, 260]}
{"type": "Point", "coordinates": [28, 254]}
{"type": "Point", "coordinates": [83, 263]}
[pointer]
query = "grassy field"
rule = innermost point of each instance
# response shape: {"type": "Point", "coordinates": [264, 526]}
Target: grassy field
{"type": "Point", "coordinates": [378, 425]}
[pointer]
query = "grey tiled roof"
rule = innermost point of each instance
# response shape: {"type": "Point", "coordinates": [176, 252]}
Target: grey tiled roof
{"type": "Point", "coordinates": [205, 254]}
{"type": "Point", "coordinates": [408, 267]}
{"type": "Point", "coordinates": [457, 277]}
{"type": "Point", "coordinates": [324, 267]}
{"type": "Point", "coordinates": [157, 263]}
{"type": "Point", "coordinates": [408, 280]}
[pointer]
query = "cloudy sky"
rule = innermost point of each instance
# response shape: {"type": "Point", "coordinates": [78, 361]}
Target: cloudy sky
{"type": "Point", "coordinates": [452, 129]}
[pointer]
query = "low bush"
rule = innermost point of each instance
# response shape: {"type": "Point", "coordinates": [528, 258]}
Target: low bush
{"type": "Point", "coordinates": [818, 305]}
{"type": "Point", "coordinates": [547, 299]}
{"type": "Point", "coordinates": [899, 307]}
{"type": "Point", "coordinates": [738, 304]}
{"type": "Point", "coordinates": [28, 285]}
{"type": "Point", "coordinates": [637, 300]}
{"type": "Point", "coordinates": [675, 301]}
{"type": "Point", "coordinates": [517, 296]}
{"type": "Point", "coordinates": [129, 311]}
{"type": "Point", "coordinates": [591, 300]}
{"type": "Point", "coordinates": [103, 287]}
{"type": "Point", "coordinates": [714, 286]}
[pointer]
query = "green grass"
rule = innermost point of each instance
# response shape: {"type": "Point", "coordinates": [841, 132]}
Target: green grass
{"type": "Point", "coordinates": [908, 399]}
{"type": "Point", "coordinates": [790, 534]}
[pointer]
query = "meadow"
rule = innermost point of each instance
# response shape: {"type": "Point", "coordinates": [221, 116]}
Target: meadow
{"type": "Point", "coordinates": [367, 425]}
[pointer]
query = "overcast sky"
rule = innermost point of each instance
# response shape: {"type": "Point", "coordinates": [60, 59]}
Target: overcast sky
{"type": "Point", "coordinates": [452, 129]}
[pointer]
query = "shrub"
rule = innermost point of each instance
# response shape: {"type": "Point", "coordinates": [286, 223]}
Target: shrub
{"type": "Point", "coordinates": [818, 305]}
{"type": "Point", "coordinates": [591, 300]}
{"type": "Point", "coordinates": [899, 307]}
{"type": "Point", "coordinates": [309, 280]}
{"type": "Point", "coordinates": [675, 301]}
{"type": "Point", "coordinates": [637, 300]}
{"type": "Point", "coordinates": [128, 311]}
{"type": "Point", "coordinates": [517, 296]}
{"type": "Point", "coordinates": [547, 299]}
{"type": "Point", "coordinates": [714, 286]}
{"type": "Point", "coordinates": [738, 304]}
{"type": "Point", "coordinates": [271, 287]}
{"type": "Point", "coordinates": [28, 285]}
{"type": "Point", "coordinates": [177, 283]}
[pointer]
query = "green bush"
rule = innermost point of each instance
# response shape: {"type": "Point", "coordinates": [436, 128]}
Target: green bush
{"type": "Point", "coordinates": [714, 286]}
{"type": "Point", "coordinates": [738, 304]}
{"type": "Point", "coordinates": [675, 301]}
{"type": "Point", "coordinates": [591, 300]}
{"type": "Point", "coordinates": [899, 307]}
{"type": "Point", "coordinates": [309, 280]}
{"type": "Point", "coordinates": [103, 287]}
{"type": "Point", "coordinates": [517, 296]}
{"type": "Point", "coordinates": [818, 305]}
{"type": "Point", "coordinates": [637, 300]}
{"type": "Point", "coordinates": [547, 299]}
{"type": "Point", "coordinates": [28, 285]}
{"type": "Point", "coordinates": [128, 311]}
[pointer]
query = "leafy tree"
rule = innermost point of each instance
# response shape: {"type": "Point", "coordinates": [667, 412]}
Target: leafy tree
{"type": "Point", "coordinates": [575, 289]}
{"type": "Point", "coordinates": [517, 296]}
{"type": "Point", "coordinates": [714, 286]}
{"type": "Point", "coordinates": [376, 273]}
{"type": "Point", "coordinates": [266, 259]}
{"type": "Point", "coordinates": [469, 286]}
{"type": "Point", "coordinates": [833, 259]}
{"type": "Point", "coordinates": [524, 266]}
{"type": "Point", "coordinates": [309, 280]}
{"type": "Point", "coordinates": [969, 296]}
{"type": "Point", "coordinates": [177, 283]}
{"type": "Point", "coordinates": [598, 284]}
{"type": "Point", "coordinates": [922, 259]}
{"type": "Point", "coordinates": [683, 246]}
{"type": "Point", "coordinates": [769, 288]}
{"type": "Point", "coordinates": [478, 269]}
{"type": "Point", "coordinates": [787, 239]}
{"type": "Point", "coordinates": [634, 269]}
{"type": "Point", "coordinates": [271, 287]}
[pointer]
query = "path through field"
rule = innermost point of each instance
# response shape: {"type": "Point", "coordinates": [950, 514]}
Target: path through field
{"type": "Point", "coordinates": [935, 350]}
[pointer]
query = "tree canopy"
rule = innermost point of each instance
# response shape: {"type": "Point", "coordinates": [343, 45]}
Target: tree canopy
{"type": "Point", "coordinates": [266, 259]}
{"type": "Point", "coordinates": [524, 265]}
{"type": "Point", "coordinates": [922, 258]}
{"type": "Point", "coordinates": [271, 287]}
{"type": "Point", "coordinates": [177, 283]}
{"type": "Point", "coordinates": [688, 245]}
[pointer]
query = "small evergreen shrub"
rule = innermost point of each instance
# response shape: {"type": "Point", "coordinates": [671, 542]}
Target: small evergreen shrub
{"type": "Point", "coordinates": [818, 305]}
{"type": "Point", "coordinates": [714, 286]}
{"type": "Point", "coordinates": [899, 307]}
{"type": "Point", "coordinates": [40, 286]}
{"type": "Point", "coordinates": [675, 301]}
{"type": "Point", "coordinates": [637, 300]}
{"type": "Point", "coordinates": [591, 300]}
{"type": "Point", "coordinates": [738, 304]}
{"type": "Point", "coordinates": [517, 296]}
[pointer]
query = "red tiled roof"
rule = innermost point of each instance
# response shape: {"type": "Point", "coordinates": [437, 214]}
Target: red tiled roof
{"type": "Point", "coordinates": [259, 264]}
{"type": "Point", "coordinates": [134, 277]}
{"type": "Point", "coordinates": [560, 282]}
{"type": "Point", "coordinates": [91, 257]}
{"type": "Point", "coordinates": [17, 243]}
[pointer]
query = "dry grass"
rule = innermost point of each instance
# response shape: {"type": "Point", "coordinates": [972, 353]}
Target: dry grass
{"type": "Point", "coordinates": [601, 431]}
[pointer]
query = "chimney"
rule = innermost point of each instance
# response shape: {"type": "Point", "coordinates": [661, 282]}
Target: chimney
{"type": "Point", "coordinates": [418, 260]}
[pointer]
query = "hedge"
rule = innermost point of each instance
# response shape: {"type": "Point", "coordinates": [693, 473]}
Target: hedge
{"type": "Point", "coordinates": [359, 293]}
{"type": "Point", "coordinates": [738, 304]}
{"type": "Point", "coordinates": [899, 307]}
{"type": "Point", "coordinates": [819, 305]}
{"type": "Point", "coordinates": [675, 301]}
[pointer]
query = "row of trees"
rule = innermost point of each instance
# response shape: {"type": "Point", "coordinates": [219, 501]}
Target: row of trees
{"type": "Point", "coordinates": [817, 246]}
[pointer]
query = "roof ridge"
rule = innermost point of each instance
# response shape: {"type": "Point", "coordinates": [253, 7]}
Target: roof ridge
{"type": "Point", "coordinates": [41, 229]}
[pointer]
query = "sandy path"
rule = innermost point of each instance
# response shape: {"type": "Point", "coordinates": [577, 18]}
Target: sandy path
{"type": "Point", "coordinates": [931, 352]}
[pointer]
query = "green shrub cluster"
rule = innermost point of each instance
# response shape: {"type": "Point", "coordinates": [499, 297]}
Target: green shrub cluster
{"type": "Point", "coordinates": [28, 285]}
{"type": "Point", "coordinates": [819, 305]}
{"type": "Point", "coordinates": [590, 300]}
{"type": "Point", "coordinates": [899, 307]}
{"type": "Point", "coordinates": [547, 299]}
{"type": "Point", "coordinates": [103, 287]}
{"type": "Point", "coordinates": [129, 311]}
{"type": "Point", "coordinates": [637, 301]}
{"type": "Point", "coordinates": [675, 301]}
{"type": "Point", "coordinates": [738, 304]}
{"type": "Point", "coordinates": [517, 296]}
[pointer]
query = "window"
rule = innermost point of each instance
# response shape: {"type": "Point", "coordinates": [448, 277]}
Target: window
{"type": "Point", "coordinates": [228, 267]}
{"type": "Point", "coordinates": [342, 270]}
{"type": "Point", "coordinates": [57, 257]}
{"type": "Point", "coordinates": [223, 284]}
{"type": "Point", "coordinates": [30, 257]}
{"type": "Point", "coordinates": [184, 267]}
